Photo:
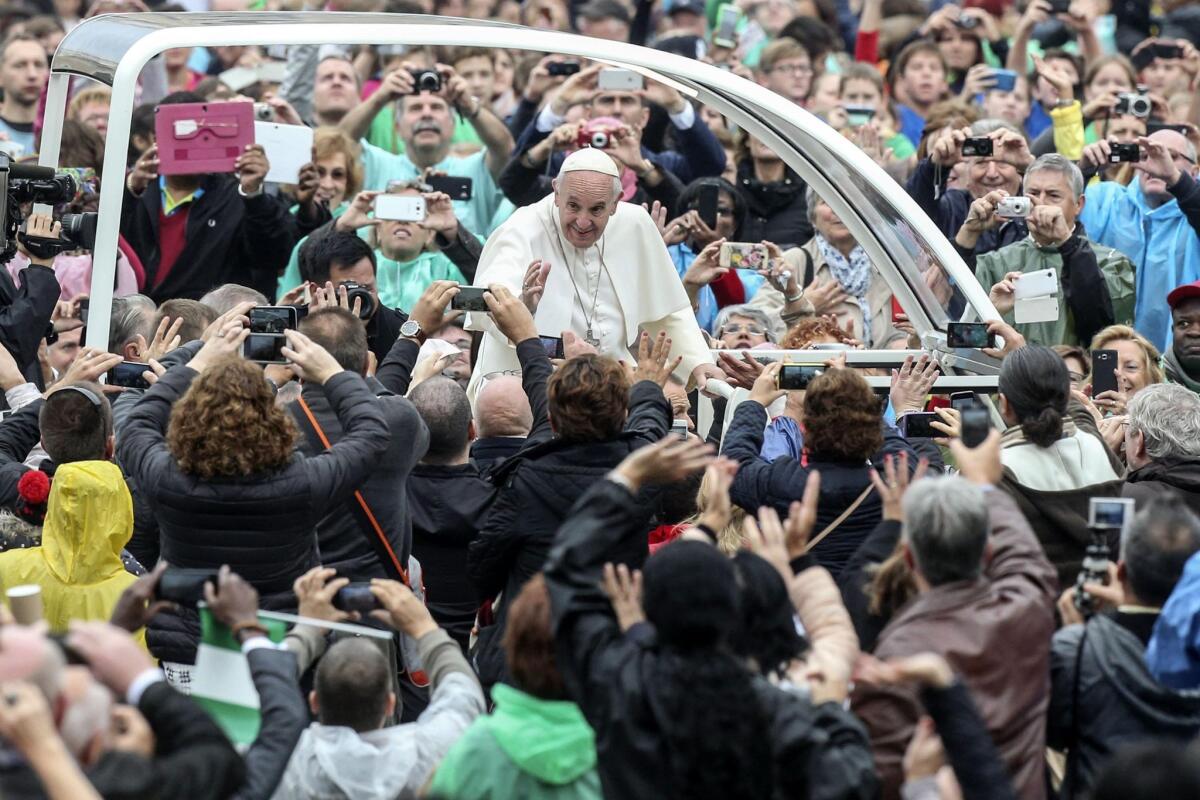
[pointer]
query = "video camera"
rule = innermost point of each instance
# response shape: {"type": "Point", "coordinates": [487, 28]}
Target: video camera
{"type": "Point", "coordinates": [27, 183]}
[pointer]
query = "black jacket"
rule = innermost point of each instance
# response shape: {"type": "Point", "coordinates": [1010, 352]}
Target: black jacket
{"type": "Point", "coordinates": [489, 453]}
{"type": "Point", "coordinates": [1170, 476]}
{"type": "Point", "coordinates": [343, 543]}
{"type": "Point", "coordinates": [192, 757]}
{"type": "Point", "coordinates": [969, 749]}
{"type": "Point", "coordinates": [229, 239]}
{"type": "Point", "coordinates": [819, 752]}
{"type": "Point", "coordinates": [449, 505]}
{"type": "Point", "coordinates": [25, 317]}
{"type": "Point", "coordinates": [776, 212]}
{"type": "Point", "coordinates": [538, 486]}
{"type": "Point", "coordinates": [780, 482]}
{"type": "Point", "coordinates": [1103, 698]}
{"type": "Point", "coordinates": [262, 526]}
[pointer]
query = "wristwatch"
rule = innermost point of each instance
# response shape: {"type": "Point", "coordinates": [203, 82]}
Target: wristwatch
{"type": "Point", "coordinates": [411, 329]}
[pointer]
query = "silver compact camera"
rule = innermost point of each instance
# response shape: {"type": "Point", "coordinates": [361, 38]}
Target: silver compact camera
{"type": "Point", "coordinates": [1014, 208]}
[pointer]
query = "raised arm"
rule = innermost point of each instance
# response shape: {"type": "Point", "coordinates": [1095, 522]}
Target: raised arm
{"type": "Point", "coordinates": [497, 141]}
{"type": "Point", "coordinates": [395, 373]}
{"type": "Point", "coordinates": [515, 322]}
{"type": "Point", "coordinates": [338, 471]}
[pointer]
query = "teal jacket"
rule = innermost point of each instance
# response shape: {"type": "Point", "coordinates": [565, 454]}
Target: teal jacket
{"type": "Point", "coordinates": [527, 748]}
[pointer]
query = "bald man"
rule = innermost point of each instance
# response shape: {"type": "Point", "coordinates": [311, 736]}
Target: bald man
{"type": "Point", "coordinates": [502, 421]}
{"type": "Point", "coordinates": [1155, 221]}
{"type": "Point", "coordinates": [582, 261]}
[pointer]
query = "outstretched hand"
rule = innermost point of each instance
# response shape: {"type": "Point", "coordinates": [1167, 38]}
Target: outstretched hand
{"type": "Point", "coordinates": [654, 360]}
{"type": "Point", "coordinates": [666, 461]}
{"type": "Point", "coordinates": [624, 589]}
{"type": "Point", "coordinates": [511, 316]}
{"type": "Point", "coordinates": [892, 490]}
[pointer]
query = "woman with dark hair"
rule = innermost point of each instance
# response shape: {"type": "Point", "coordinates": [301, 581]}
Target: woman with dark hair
{"type": "Point", "coordinates": [709, 286]}
{"type": "Point", "coordinates": [767, 631]}
{"type": "Point", "coordinates": [1054, 457]}
{"type": "Point", "coordinates": [214, 457]}
{"type": "Point", "coordinates": [676, 713]}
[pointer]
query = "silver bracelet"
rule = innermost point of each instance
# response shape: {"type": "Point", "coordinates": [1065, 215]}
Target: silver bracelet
{"type": "Point", "coordinates": [794, 298]}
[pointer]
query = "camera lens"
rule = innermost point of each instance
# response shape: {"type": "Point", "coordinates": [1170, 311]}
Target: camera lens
{"type": "Point", "coordinates": [600, 140]}
{"type": "Point", "coordinates": [429, 82]}
{"type": "Point", "coordinates": [357, 291]}
{"type": "Point", "coordinates": [80, 229]}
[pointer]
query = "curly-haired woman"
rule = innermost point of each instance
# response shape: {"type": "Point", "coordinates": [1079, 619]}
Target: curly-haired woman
{"type": "Point", "coordinates": [844, 436]}
{"type": "Point", "coordinates": [213, 455]}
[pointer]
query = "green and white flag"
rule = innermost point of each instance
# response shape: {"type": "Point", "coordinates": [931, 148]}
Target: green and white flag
{"type": "Point", "coordinates": [221, 681]}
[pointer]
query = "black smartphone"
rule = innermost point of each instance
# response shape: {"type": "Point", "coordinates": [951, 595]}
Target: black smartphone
{"type": "Point", "coordinates": [553, 345]}
{"type": "Point", "coordinates": [967, 334]}
{"type": "Point", "coordinates": [264, 348]}
{"type": "Point", "coordinates": [917, 425]}
{"type": "Point", "coordinates": [794, 377]}
{"type": "Point", "coordinates": [273, 319]}
{"type": "Point", "coordinates": [707, 205]}
{"type": "Point", "coordinates": [1060, 6]}
{"type": "Point", "coordinates": [469, 298]}
{"type": "Point", "coordinates": [184, 586]}
{"type": "Point", "coordinates": [1124, 153]}
{"type": "Point", "coordinates": [1104, 376]}
{"type": "Point", "coordinates": [977, 146]}
{"type": "Point", "coordinates": [1167, 50]}
{"type": "Point", "coordinates": [562, 69]}
{"type": "Point", "coordinates": [458, 188]}
{"type": "Point", "coordinates": [961, 401]}
{"type": "Point", "coordinates": [356, 597]}
{"type": "Point", "coordinates": [84, 305]}
{"type": "Point", "coordinates": [1154, 127]}
{"type": "Point", "coordinates": [976, 424]}
{"type": "Point", "coordinates": [128, 374]}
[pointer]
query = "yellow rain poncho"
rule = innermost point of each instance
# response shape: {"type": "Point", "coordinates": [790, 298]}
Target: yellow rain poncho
{"type": "Point", "coordinates": [89, 518]}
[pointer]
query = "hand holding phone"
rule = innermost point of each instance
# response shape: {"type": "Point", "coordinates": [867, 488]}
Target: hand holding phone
{"type": "Point", "coordinates": [470, 298]}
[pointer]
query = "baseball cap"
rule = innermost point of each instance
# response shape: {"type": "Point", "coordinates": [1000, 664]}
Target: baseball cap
{"type": "Point", "coordinates": [1185, 292]}
{"type": "Point", "coordinates": [694, 6]}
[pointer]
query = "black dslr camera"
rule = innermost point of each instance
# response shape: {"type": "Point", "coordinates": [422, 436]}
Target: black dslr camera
{"type": "Point", "coordinates": [26, 183]}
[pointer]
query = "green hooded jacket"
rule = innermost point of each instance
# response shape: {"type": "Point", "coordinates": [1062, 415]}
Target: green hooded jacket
{"type": "Point", "coordinates": [1027, 256]}
{"type": "Point", "coordinates": [527, 748]}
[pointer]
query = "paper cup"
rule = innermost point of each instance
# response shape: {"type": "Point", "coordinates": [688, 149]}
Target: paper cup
{"type": "Point", "coordinates": [25, 602]}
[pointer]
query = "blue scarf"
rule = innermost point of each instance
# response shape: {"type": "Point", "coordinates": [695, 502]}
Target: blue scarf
{"type": "Point", "coordinates": [854, 274]}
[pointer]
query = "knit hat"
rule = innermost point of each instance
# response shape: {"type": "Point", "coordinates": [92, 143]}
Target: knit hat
{"type": "Point", "coordinates": [690, 595]}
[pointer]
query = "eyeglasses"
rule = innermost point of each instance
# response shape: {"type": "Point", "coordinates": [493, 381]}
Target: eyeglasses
{"type": "Point", "coordinates": [794, 69]}
{"type": "Point", "coordinates": [754, 330]}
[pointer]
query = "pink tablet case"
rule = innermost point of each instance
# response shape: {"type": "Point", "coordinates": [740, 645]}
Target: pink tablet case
{"type": "Point", "coordinates": [202, 137]}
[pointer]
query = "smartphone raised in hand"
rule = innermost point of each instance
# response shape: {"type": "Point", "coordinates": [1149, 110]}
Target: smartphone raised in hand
{"type": "Point", "coordinates": [469, 298]}
{"type": "Point", "coordinates": [1104, 376]}
{"type": "Point", "coordinates": [967, 334]}
{"type": "Point", "coordinates": [128, 375]}
{"type": "Point", "coordinates": [264, 348]}
{"type": "Point", "coordinates": [917, 425]}
{"type": "Point", "coordinates": [273, 319]}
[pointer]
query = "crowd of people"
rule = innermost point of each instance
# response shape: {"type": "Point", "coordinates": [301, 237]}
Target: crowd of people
{"type": "Point", "coordinates": [466, 457]}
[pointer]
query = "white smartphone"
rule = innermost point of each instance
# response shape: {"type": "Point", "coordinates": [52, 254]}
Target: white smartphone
{"type": "Point", "coordinates": [1036, 309]}
{"type": "Point", "coordinates": [401, 208]}
{"type": "Point", "coordinates": [1036, 284]}
{"type": "Point", "coordinates": [619, 80]}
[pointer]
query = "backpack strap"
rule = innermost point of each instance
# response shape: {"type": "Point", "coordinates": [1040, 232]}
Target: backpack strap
{"type": "Point", "coordinates": [359, 508]}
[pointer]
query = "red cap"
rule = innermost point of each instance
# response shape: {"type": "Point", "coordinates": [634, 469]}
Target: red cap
{"type": "Point", "coordinates": [1181, 293]}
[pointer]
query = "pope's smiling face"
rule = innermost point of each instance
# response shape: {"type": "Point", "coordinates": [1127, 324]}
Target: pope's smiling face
{"type": "Point", "coordinates": [586, 202]}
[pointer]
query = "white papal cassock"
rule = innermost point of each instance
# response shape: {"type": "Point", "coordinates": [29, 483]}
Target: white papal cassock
{"type": "Point", "coordinates": [624, 282]}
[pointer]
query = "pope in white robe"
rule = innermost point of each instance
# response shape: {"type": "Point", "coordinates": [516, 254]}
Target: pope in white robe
{"type": "Point", "coordinates": [604, 274]}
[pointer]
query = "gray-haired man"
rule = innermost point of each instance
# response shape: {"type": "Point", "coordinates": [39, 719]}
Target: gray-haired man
{"type": "Point", "coordinates": [1162, 444]}
{"type": "Point", "coordinates": [1095, 283]}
